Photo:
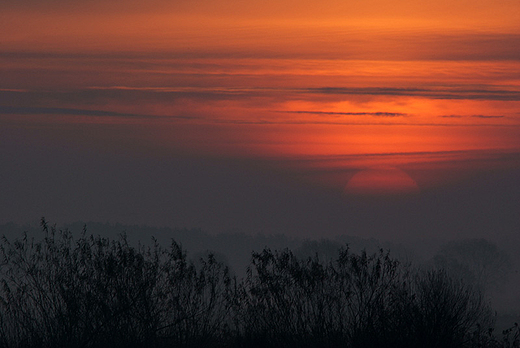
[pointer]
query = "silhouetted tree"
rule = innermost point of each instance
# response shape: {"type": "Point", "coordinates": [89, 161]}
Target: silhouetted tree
{"type": "Point", "coordinates": [95, 292]}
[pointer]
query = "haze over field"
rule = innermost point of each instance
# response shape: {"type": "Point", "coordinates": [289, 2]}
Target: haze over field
{"type": "Point", "coordinates": [393, 120]}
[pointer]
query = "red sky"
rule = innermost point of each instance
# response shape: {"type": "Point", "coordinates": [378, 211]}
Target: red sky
{"type": "Point", "coordinates": [319, 90]}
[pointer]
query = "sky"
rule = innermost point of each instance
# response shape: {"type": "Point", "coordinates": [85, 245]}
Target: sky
{"type": "Point", "coordinates": [389, 119]}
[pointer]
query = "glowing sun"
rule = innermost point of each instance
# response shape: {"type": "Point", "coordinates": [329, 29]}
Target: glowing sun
{"type": "Point", "coordinates": [381, 180]}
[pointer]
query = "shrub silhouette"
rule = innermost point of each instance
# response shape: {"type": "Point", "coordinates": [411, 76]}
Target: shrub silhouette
{"type": "Point", "coordinates": [93, 292]}
{"type": "Point", "coordinates": [363, 300]}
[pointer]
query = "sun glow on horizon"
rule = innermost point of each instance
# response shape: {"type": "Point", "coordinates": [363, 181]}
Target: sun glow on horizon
{"type": "Point", "coordinates": [382, 180]}
{"type": "Point", "coordinates": [270, 80]}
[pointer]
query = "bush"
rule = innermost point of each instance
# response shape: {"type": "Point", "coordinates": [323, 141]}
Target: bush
{"type": "Point", "coordinates": [359, 301]}
{"type": "Point", "coordinates": [93, 292]}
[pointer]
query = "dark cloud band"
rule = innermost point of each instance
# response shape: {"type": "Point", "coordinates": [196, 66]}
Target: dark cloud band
{"type": "Point", "coordinates": [445, 93]}
{"type": "Point", "coordinates": [374, 114]}
{"type": "Point", "coordinates": [13, 110]}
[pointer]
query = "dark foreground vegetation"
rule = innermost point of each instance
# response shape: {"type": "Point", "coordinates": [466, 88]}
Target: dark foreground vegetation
{"type": "Point", "coordinates": [89, 291]}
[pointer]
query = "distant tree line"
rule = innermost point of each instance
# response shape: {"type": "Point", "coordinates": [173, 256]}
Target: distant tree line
{"type": "Point", "coordinates": [90, 291]}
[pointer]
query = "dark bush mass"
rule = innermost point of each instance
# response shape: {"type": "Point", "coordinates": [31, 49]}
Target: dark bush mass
{"type": "Point", "coordinates": [89, 291]}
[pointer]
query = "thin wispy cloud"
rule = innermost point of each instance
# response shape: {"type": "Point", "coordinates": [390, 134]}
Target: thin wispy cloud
{"type": "Point", "coordinates": [445, 93]}
{"type": "Point", "coordinates": [433, 93]}
{"type": "Point", "coordinates": [188, 89]}
{"type": "Point", "coordinates": [207, 119]}
{"type": "Point", "coordinates": [487, 116]}
{"type": "Point", "coordinates": [13, 110]}
{"type": "Point", "coordinates": [442, 155]}
{"type": "Point", "coordinates": [474, 116]}
{"type": "Point", "coordinates": [332, 113]}
{"type": "Point", "coordinates": [226, 93]}
{"type": "Point", "coordinates": [338, 123]}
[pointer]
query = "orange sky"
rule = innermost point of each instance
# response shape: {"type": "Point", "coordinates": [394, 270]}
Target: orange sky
{"type": "Point", "coordinates": [272, 78]}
